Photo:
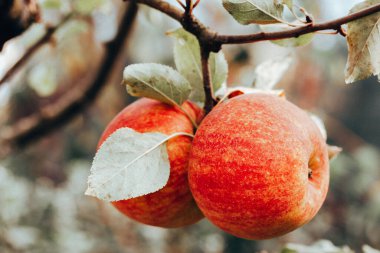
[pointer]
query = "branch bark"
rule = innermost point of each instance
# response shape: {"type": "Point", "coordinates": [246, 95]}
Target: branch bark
{"type": "Point", "coordinates": [37, 126]}
{"type": "Point", "coordinates": [200, 31]}
{"type": "Point", "coordinates": [313, 27]}
{"type": "Point", "coordinates": [15, 17]}
{"type": "Point", "coordinates": [210, 41]}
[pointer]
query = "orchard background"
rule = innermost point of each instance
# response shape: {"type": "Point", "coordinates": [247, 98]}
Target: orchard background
{"type": "Point", "coordinates": [56, 101]}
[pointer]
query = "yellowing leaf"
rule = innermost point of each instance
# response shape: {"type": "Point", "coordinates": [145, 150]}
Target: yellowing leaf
{"type": "Point", "coordinates": [270, 72]}
{"type": "Point", "coordinates": [129, 164]}
{"type": "Point", "coordinates": [156, 81]}
{"type": "Point", "coordinates": [187, 59]}
{"type": "Point", "coordinates": [255, 11]}
{"type": "Point", "coordinates": [363, 38]}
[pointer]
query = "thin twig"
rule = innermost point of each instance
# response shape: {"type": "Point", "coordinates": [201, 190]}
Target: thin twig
{"type": "Point", "coordinates": [196, 3]}
{"type": "Point", "coordinates": [37, 126]}
{"type": "Point", "coordinates": [42, 41]}
{"type": "Point", "coordinates": [182, 5]}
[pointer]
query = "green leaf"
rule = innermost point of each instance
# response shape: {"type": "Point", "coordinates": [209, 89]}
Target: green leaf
{"type": "Point", "coordinates": [218, 71]}
{"type": "Point", "coordinates": [187, 59]}
{"type": "Point", "coordinates": [363, 39]}
{"type": "Point", "coordinates": [255, 11]}
{"type": "Point", "coordinates": [129, 164]}
{"type": "Point", "coordinates": [156, 81]}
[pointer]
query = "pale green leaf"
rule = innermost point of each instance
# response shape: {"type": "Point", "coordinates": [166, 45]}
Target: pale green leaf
{"type": "Point", "coordinates": [156, 81]}
{"type": "Point", "coordinates": [188, 62]}
{"type": "Point", "coordinates": [129, 164]}
{"type": "Point", "coordinates": [363, 39]}
{"type": "Point", "coordinates": [218, 71]}
{"type": "Point", "coordinates": [270, 72]}
{"type": "Point", "coordinates": [255, 11]}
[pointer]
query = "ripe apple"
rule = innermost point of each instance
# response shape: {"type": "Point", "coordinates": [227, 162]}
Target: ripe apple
{"type": "Point", "coordinates": [258, 167]}
{"type": "Point", "coordinates": [173, 205]}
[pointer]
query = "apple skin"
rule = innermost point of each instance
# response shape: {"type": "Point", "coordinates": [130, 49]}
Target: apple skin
{"type": "Point", "coordinates": [172, 206]}
{"type": "Point", "coordinates": [249, 167]}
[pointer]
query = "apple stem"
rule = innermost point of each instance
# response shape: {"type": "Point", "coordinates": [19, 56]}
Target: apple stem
{"type": "Point", "coordinates": [310, 173]}
{"type": "Point", "coordinates": [207, 83]}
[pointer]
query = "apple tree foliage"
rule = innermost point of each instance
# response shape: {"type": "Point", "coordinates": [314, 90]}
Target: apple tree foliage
{"type": "Point", "coordinates": [174, 86]}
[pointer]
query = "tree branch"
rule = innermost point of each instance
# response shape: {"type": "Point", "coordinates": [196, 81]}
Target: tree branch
{"type": "Point", "coordinates": [16, 17]}
{"type": "Point", "coordinates": [20, 62]}
{"type": "Point", "coordinates": [205, 34]}
{"type": "Point", "coordinates": [163, 7]}
{"type": "Point", "coordinates": [291, 33]}
{"type": "Point", "coordinates": [38, 125]}
{"type": "Point", "coordinates": [210, 41]}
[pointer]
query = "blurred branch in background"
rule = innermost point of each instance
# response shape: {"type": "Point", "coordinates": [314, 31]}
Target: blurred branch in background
{"type": "Point", "coordinates": [15, 17]}
{"type": "Point", "coordinates": [44, 39]}
{"type": "Point", "coordinates": [54, 115]}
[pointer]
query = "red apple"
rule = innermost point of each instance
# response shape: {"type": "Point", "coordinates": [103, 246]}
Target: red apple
{"type": "Point", "coordinates": [258, 167]}
{"type": "Point", "coordinates": [173, 205]}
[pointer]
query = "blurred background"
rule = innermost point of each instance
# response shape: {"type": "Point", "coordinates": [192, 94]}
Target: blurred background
{"type": "Point", "coordinates": [56, 102]}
